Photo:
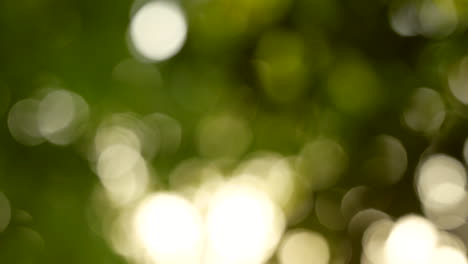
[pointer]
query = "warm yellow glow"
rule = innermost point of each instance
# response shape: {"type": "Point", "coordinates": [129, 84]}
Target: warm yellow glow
{"type": "Point", "coordinates": [303, 247]}
{"type": "Point", "coordinates": [411, 241]}
{"type": "Point", "coordinates": [444, 255]}
{"type": "Point", "coordinates": [170, 229]}
{"type": "Point", "coordinates": [158, 30]}
{"type": "Point", "coordinates": [244, 226]}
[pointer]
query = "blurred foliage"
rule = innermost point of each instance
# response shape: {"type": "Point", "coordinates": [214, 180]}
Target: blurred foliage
{"type": "Point", "coordinates": [263, 75]}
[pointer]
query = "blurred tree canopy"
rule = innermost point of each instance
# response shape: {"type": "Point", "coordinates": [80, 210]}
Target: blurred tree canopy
{"type": "Point", "coordinates": [280, 74]}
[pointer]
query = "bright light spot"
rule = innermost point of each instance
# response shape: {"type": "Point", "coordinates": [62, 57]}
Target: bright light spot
{"type": "Point", "coordinates": [170, 229]}
{"type": "Point", "coordinates": [321, 164]}
{"type": "Point", "coordinates": [450, 255]}
{"type": "Point", "coordinates": [426, 111]}
{"type": "Point", "coordinates": [458, 81]}
{"type": "Point", "coordinates": [123, 172]}
{"type": "Point", "coordinates": [374, 239]}
{"type": "Point", "coordinates": [61, 116]}
{"type": "Point", "coordinates": [214, 132]}
{"type": "Point", "coordinates": [437, 170]}
{"type": "Point", "coordinates": [203, 195]}
{"type": "Point", "coordinates": [243, 224]}
{"type": "Point", "coordinates": [303, 247]}
{"type": "Point", "coordinates": [441, 182]}
{"type": "Point", "coordinates": [5, 212]}
{"type": "Point", "coordinates": [411, 241]}
{"type": "Point", "coordinates": [23, 124]}
{"type": "Point", "coordinates": [158, 30]}
{"type": "Point", "coordinates": [387, 162]}
{"type": "Point", "coordinates": [438, 18]}
{"type": "Point", "coordinates": [445, 194]}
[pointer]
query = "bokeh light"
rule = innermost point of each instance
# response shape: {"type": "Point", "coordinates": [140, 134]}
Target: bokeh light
{"type": "Point", "coordinates": [234, 132]}
{"type": "Point", "coordinates": [412, 240]}
{"type": "Point", "coordinates": [170, 229]}
{"type": "Point", "coordinates": [425, 112]}
{"type": "Point", "coordinates": [62, 116]}
{"type": "Point", "coordinates": [374, 241]}
{"type": "Point", "coordinates": [123, 172]}
{"type": "Point", "coordinates": [387, 160]}
{"type": "Point", "coordinates": [158, 30]}
{"type": "Point", "coordinates": [458, 81]}
{"type": "Point", "coordinates": [243, 225]}
{"type": "Point", "coordinates": [404, 18]}
{"type": "Point", "coordinates": [441, 182]}
{"type": "Point", "coordinates": [362, 220]}
{"type": "Point", "coordinates": [321, 163]}
{"type": "Point", "coordinates": [429, 18]}
{"type": "Point", "coordinates": [304, 246]}
{"type": "Point", "coordinates": [438, 18]}
{"type": "Point", "coordinates": [448, 255]}
{"type": "Point", "coordinates": [23, 123]}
